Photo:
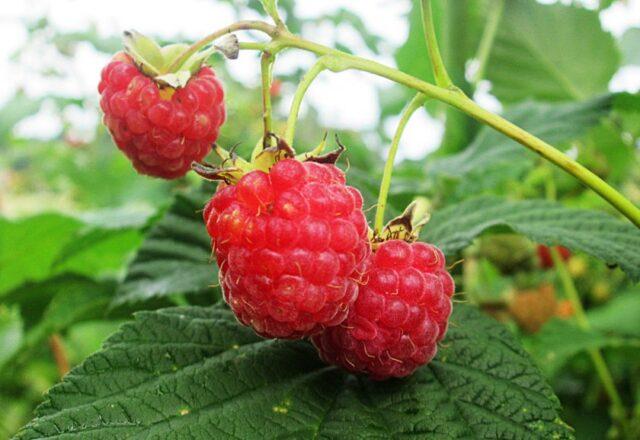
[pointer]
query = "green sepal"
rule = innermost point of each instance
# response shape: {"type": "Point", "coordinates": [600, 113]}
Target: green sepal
{"type": "Point", "coordinates": [145, 52]}
{"type": "Point", "coordinates": [172, 52]}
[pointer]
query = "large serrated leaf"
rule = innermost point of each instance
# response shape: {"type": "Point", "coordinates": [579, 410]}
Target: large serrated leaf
{"type": "Point", "coordinates": [550, 53]}
{"type": "Point", "coordinates": [175, 257]}
{"type": "Point", "coordinates": [195, 373]}
{"type": "Point", "coordinates": [596, 233]}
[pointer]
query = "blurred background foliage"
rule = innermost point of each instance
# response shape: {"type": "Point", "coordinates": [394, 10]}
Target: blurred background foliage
{"type": "Point", "coordinates": [79, 227]}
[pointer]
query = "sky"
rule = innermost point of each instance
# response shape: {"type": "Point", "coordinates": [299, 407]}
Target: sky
{"type": "Point", "coordinates": [357, 108]}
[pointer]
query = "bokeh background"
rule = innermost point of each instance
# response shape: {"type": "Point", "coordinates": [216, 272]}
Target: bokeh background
{"type": "Point", "coordinates": [62, 178]}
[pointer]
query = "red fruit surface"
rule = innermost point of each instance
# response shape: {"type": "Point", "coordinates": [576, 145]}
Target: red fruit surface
{"type": "Point", "coordinates": [544, 255]}
{"type": "Point", "coordinates": [160, 129]}
{"type": "Point", "coordinates": [287, 243]}
{"type": "Point", "coordinates": [401, 313]}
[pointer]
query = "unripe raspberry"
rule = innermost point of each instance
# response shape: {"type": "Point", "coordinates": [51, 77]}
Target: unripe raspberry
{"type": "Point", "coordinates": [544, 255]}
{"type": "Point", "coordinates": [400, 315]}
{"type": "Point", "coordinates": [161, 129]}
{"type": "Point", "coordinates": [287, 243]}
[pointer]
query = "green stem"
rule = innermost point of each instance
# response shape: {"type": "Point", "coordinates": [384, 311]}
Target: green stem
{"type": "Point", "coordinates": [306, 81]}
{"type": "Point", "coordinates": [617, 406]}
{"type": "Point", "coordinates": [251, 45]}
{"type": "Point", "coordinates": [266, 28]}
{"type": "Point", "coordinates": [488, 37]}
{"type": "Point", "coordinates": [266, 64]}
{"type": "Point", "coordinates": [439, 69]}
{"type": "Point", "coordinates": [452, 96]}
{"type": "Point", "coordinates": [409, 110]}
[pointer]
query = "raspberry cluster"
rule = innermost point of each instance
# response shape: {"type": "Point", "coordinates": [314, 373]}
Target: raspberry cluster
{"type": "Point", "coordinates": [400, 315]}
{"type": "Point", "coordinates": [160, 129]}
{"type": "Point", "coordinates": [287, 243]}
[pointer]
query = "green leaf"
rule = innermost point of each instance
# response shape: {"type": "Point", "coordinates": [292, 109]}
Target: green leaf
{"type": "Point", "coordinates": [550, 348]}
{"type": "Point", "coordinates": [596, 233]}
{"type": "Point", "coordinates": [175, 257]}
{"type": "Point", "coordinates": [73, 299]}
{"type": "Point", "coordinates": [630, 45]}
{"type": "Point", "coordinates": [29, 247]}
{"type": "Point", "coordinates": [194, 372]}
{"type": "Point", "coordinates": [96, 251]}
{"type": "Point", "coordinates": [35, 248]}
{"type": "Point", "coordinates": [619, 315]}
{"type": "Point", "coordinates": [553, 123]}
{"type": "Point", "coordinates": [11, 333]}
{"type": "Point", "coordinates": [550, 53]}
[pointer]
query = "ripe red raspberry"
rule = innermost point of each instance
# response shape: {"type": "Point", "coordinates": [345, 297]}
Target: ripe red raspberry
{"type": "Point", "coordinates": [161, 129]}
{"type": "Point", "coordinates": [287, 243]}
{"type": "Point", "coordinates": [400, 315]}
{"type": "Point", "coordinates": [544, 255]}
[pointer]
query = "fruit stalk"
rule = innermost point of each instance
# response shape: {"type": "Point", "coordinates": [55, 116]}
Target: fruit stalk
{"type": "Point", "coordinates": [266, 65]}
{"type": "Point", "coordinates": [617, 406]}
{"type": "Point", "coordinates": [306, 81]}
{"type": "Point", "coordinates": [413, 105]}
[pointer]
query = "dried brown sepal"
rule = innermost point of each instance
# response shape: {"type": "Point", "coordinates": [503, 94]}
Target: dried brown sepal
{"type": "Point", "coordinates": [406, 226]}
{"type": "Point", "coordinates": [229, 175]}
{"type": "Point", "coordinates": [331, 157]}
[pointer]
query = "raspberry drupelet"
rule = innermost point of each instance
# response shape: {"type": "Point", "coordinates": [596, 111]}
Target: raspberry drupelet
{"type": "Point", "coordinates": [287, 243]}
{"type": "Point", "coordinates": [161, 129]}
{"type": "Point", "coordinates": [400, 315]}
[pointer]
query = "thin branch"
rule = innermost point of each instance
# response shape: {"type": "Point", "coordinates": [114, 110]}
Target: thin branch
{"type": "Point", "coordinates": [439, 69]}
{"type": "Point", "coordinates": [488, 37]}
{"type": "Point", "coordinates": [383, 194]}
{"type": "Point", "coordinates": [306, 81]}
{"type": "Point", "coordinates": [59, 354]}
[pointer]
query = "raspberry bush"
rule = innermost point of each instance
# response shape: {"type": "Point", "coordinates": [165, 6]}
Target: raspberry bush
{"type": "Point", "coordinates": [270, 282]}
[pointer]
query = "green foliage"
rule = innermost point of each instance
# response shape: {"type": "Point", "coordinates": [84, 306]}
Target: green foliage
{"type": "Point", "coordinates": [35, 248]}
{"type": "Point", "coordinates": [545, 51]}
{"type": "Point", "coordinates": [614, 241]}
{"type": "Point", "coordinates": [127, 242]}
{"type": "Point", "coordinates": [175, 257]}
{"type": "Point", "coordinates": [196, 372]}
{"type": "Point", "coordinates": [550, 348]}
{"type": "Point", "coordinates": [630, 46]}
{"type": "Point", "coordinates": [11, 333]}
{"type": "Point", "coordinates": [492, 151]}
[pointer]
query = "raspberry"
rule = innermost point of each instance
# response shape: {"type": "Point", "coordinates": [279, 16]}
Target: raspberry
{"type": "Point", "coordinates": [544, 255]}
{"type": "Point", "coordinates": [400, 315]}
{"type": "Point", "coordinates": [161, 129]}
{"type": "Point", "coordinates": [287, 243]}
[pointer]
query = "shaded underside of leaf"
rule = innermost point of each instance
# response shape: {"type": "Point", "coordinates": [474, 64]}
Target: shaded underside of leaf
{"type": "Point", "coordinates": [601, 235]}
{"type": "Point", "coordinates": [194, 372]}
{"type": "Point", "coordinates": [553, 123]}
{"type": "Point", "coordinates": [175, 257]}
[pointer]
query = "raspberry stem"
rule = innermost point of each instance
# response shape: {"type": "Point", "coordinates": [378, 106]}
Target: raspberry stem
{"type": "Point", "coordinates": [451, 95]}
{"type": "Point", "coordinates": [306, 81]}
{"type": "Point", "coordinates": [261, 26]}
{"type": "Point", "coordinates": [266, 67]}
{"type": "Point", "coordinates": [439, 70]}
{"type": "Point", "coordinates": [487, 39]}
{"type": "Point", "coordinates": [618, 411]}
{"type": "Point", "coordinates": [409, 110]}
